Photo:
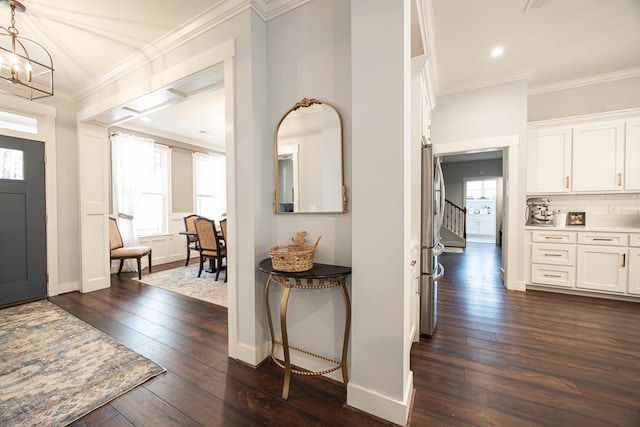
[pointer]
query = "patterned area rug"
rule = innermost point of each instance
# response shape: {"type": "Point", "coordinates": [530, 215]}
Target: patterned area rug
{"type": "Point", "coordinates": [185, 281]}
{"type": "Point", "coordinates": [55, 368]}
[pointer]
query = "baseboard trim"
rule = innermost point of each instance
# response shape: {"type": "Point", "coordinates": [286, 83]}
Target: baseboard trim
{"type": "Point", "coordinates": [253, 356]}
{"type": "Point", "coordinates": [382, 406]}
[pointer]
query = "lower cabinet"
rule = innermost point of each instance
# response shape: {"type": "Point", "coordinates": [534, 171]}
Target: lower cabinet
{"type": "Point", "coordinates": [634, 271]}
{"type": "Point", "coordinates": [587, 261]}
{"type": "Point", "coordinates": [602, 268]}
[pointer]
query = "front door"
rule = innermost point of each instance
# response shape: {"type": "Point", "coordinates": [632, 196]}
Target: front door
{"type": "Point", "coordinates": [23, 250]}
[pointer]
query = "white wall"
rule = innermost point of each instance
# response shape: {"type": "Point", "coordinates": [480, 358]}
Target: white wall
{"type": "Point", "coordinates": [67, 194]}
{"type": "Point", "coordinates": [596, 98]}
{"type": "Point", "coordinates": [381, 381]}
{"type": "Point", "coordinates": [309, 56]}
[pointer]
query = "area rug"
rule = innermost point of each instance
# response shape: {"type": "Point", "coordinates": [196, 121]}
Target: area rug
{"type": "Point", "coordinates": [185, 281]}
{"type": "Point", "coordinates": [55, 368]}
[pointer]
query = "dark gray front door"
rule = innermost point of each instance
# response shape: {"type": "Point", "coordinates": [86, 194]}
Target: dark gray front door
{"type": "Point", "coordinates": [23, 249]}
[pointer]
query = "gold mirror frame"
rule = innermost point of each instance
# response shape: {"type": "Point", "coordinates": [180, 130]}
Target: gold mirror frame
{"type": "Point", "coordinates": [325, 138]}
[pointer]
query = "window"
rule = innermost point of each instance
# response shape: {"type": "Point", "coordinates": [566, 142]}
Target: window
{"type": "Point", "coordinates": [481, 190]}
{"type": "Point", "coordinates": [151, 215]}
{"type": "Point", "coordinates": [18, 122]}
{"type": "Point", "coordinates": [11, 164]}
{"type": "Point", "coordinates": [210, 185]}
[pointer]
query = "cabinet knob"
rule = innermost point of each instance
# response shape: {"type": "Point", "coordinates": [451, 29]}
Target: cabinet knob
{"type": "Point", "coordinates": [620, 179]}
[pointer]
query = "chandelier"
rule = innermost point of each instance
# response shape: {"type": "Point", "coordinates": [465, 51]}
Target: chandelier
{"type": "Point", "coordinates": [29, 73]}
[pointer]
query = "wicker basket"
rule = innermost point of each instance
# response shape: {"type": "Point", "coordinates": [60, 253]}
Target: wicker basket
{"type": "Point", "coordinates": [294, 258]}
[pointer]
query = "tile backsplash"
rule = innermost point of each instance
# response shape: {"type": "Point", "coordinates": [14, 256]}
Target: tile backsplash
{"type": "Point", "coordinates": [601, 209]}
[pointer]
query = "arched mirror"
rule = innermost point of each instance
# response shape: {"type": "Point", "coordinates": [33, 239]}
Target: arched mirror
{"type": "Point", "coordinates": [308, 154]}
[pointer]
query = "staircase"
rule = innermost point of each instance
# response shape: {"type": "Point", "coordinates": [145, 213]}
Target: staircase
{"type": "Point", "coordinates": [454, 226]}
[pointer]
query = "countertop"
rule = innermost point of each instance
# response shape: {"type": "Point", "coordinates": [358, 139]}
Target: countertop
{"type": "Point", "coordinates": [588, 228]}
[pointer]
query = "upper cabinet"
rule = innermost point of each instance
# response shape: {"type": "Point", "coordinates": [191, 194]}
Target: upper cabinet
{"type": "Point", "coordinates": [592, 157]}
{"type": "Point", "coordinates": [598, 157]}
{"type": "Point", "coordinates": [632, 157]}
{"type": "Point", "coordinates": [549, 161]}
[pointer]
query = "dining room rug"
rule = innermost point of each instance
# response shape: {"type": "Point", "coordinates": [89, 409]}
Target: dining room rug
{"type": "Point", "coordinates": [55, 368]}
{"type": "Point", "coordinates": [185, 281]}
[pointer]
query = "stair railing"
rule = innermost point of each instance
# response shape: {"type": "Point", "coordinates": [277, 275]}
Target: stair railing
{"type": "Point", "coordinates": [454, 219]}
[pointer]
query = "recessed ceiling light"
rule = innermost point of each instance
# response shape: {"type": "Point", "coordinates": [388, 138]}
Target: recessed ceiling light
{"type": "Point", "coordinates": [496, 51]}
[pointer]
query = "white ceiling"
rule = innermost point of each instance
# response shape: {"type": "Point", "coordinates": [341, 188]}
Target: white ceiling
{"type": "Point", "coordinates": [561, 42]}
{"type": "Point", "coordinates": [553, 43]}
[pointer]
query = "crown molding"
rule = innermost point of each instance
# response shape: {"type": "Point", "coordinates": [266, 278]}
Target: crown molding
{"type": "Point", "coordinates": [222, 11]}
{"type": "Point", "coordinates": [587, 81]}
{"type": "Point", "coordinates": [269, 9]}
{"type": "Point", "coordinates": [212, 17]}
{"type": "Point", "coordinates": [585, 118]}
{"type": "Point", "coordinates": [215, 15]}
{"type": "Point", "coordinates": [481, 84]}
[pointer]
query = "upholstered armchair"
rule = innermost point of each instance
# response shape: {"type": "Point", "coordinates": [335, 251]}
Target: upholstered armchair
{"type": "Point", "coordinates": [120, 252]}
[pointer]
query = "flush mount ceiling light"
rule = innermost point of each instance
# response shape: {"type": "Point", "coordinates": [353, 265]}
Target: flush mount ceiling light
{"type": "Point", "coordinates": [28, 72]}
{"type": "Point", "coordinates": [497, 51]}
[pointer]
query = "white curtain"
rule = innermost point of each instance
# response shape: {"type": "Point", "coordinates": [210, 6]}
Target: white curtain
{"type": "Point", "coordinates": [131, 160]}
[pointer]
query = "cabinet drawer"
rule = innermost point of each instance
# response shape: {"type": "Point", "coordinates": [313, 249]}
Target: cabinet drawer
{"type": "Point", "coordinates": [555, 275]}
{"type": "Point", "coordinates": [553, 254]}
{"type": "Point", "coordinates": [552, 236]}
{"type": "Point", "coordinates": [634, 240]}
{"type": "Point", "coordinates": [602, 239]}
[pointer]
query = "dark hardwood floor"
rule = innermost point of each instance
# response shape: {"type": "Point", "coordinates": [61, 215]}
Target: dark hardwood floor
{"type": "Point", "coordinates": [497, 358]}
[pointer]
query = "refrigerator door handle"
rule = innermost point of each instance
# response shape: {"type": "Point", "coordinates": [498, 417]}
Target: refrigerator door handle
{"type": "Point", "coordinates": [439, 273]}
{"type": "Point", "coordinates": [438, 249]}
{"type": "Point", "coordinates": [443, 196]}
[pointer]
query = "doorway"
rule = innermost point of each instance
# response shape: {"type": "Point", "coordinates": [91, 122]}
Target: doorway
{"type": "Point", "coordinates": [481, 204]}
{"type": "Point", "coordinates": [511, 211]}
{"type": "Point", "coordinates": [23, 249]}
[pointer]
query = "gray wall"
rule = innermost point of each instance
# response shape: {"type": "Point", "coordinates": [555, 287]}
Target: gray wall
{"type": "Point", "coordinates": [598, 98]}
{"type": "Point", "coordinates": [455, 174]}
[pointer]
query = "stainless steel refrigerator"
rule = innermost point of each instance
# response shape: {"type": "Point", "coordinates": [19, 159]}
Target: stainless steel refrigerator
{"type": "Point", "coordinates": [431, 270]}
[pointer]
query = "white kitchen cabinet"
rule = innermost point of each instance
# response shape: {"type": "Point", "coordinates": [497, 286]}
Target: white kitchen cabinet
{"type": "Point", "coordinates": [553, 258]}
{"type": "Point", "coordinates": [598, 157]}
{"type": "Point", "coordinates": [634, 271]}
{"type": "Point", "coordinates": [481, 225]}
{"type": "Point", "coordinates": [602, 268]}
{"type": "Point", "coordinates": [632, 155]}
{"type": "Point", "coordinates": [634, 264]}
{"type": "Point", "coordinates": [549, 161]}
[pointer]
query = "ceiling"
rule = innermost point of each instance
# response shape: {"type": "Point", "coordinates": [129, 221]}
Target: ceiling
{"type": "Point", "coordinates": [552, 43]}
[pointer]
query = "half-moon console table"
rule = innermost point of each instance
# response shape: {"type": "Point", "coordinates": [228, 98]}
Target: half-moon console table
{"type": "Point", "coordinates": [321, 276]}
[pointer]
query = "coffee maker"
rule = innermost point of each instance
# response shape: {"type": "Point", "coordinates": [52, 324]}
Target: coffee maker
{"type": "Point", "coordinates": [538, 212]}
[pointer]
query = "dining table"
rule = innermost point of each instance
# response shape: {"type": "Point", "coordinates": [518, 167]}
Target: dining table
{"type": "Point", "coordinates": [194, 234]}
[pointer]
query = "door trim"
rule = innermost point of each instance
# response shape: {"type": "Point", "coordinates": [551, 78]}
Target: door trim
{"type": "Point", "coordinates": [512, 236]}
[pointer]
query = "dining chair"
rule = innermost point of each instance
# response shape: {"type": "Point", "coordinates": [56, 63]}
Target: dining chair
{"type": "Point", "coordinates": [120, 252]}
{"type": "Point", "coordinates": [192, 241]}
{"type": "Point", "coordinates": [223, 230]}
{"type": "Point", "coordinates": [209, 243]}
